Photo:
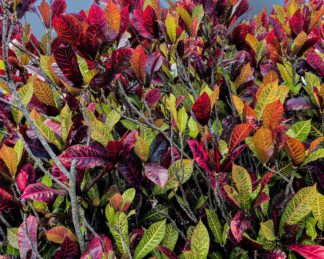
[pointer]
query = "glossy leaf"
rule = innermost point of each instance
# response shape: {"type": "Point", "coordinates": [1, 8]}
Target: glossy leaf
{"type": "Point", "coordinates": [273, 115]}
{"type": "Point", "coordinates": [151, 239]}
{"type": "Point", "coordinates": [264, 144]}
{"type": "Point", "coordinates": [308, 251]}
{"type": "Point", "coordinates": [202, 109]}
{"type": "Point", "coordinates": [239, 133]}
{"type": "Point", "coordinates": [157, 174]}
{"type": "Point", "coordinates": [295, 149]}
{"type": "Point", "coordinates": [40, 192]}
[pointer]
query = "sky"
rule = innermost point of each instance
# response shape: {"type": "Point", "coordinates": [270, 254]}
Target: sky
{"type": "Point", "coordinates": [77, 5]}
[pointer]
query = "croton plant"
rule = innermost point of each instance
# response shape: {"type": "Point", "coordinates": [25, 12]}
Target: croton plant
{"type": "Point", "coordinates": [131, 130]}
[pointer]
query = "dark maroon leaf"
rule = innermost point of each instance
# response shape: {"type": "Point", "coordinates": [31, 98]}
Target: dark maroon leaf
{"type": "Point", "coordinates": [40, 192]}
{"type": "Point", "coordinates": [199, 154]}
{"type": "Point", "coordinates": [23, 7]}
{"type": "Point", "coordinates": [130, 172]}
{"type": "Point", "coordinates": [297, 22]}
{"type": "Point", "coordinates": [120, 59]}
{"type": "Point", "coordinates": [166, 251]}
{"type": "Point", "coordinates": [167, 158]}
{"type": "Point", "coordinates": [68, 249]}
{"type": "Point", "coordinates": [202, 109]}
{"type": "Point", "coordinates": [85, 156]}
{"type": "Point", "coordinates": [239, 225]}
{"type": "Point", "coordinates": [96, 16]}
{"type": "Point", "coordinates": [7, 200]}
{"type": "Point", "coordinates": [157, 174]}
{"type": "Point", "coordinates": [242, 8]}
{"type": "Point", "coordinates": [316, 62]}
{"type": "Point", "coordinates": [58, 7]}
{"type": "Point", "coordinates": [27, 237]}
{"type": "Point", "coordinates": [25, 177]}
{"type": "Point", "coordinates": [144, 22]}
{"type": "Point", "coordinates": [114, 147]}
{"type": "Point", "coordinates": [262, 198]}
{"type": "Point", "coordinates": [152, 97]}
{"type": "Point", "coordinates": [95, 249]}
{"type": "Point", "coordinates": [68, 63]}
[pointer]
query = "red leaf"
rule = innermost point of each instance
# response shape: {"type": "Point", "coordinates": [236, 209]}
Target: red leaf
{"type": "Point", "coordinates": [239, 225]}
{"type": "Point", "coordinates": [25, 177]}
{"type": "Point", "coordinates": [69, 29]}
{"type": "Point", "coordinates": [114, 147]}
{"type": "Point", "coordinates": [199, 154]}
{"type": "Point", "coordinates": [85, 156]}
{"type": "Point", "coordinates": [58, 8]}
{"type": "Point", "coordinates": [157, 174]}
{"type": "Point", "coordinates": [144, 22]}
{"type": "Point", "coordinates": [44, 9]}
{"type": "Point", "coordinates": [68, 63]}
{"type": "Point", "coordinates": [273, 114]}
{"type": "Point", "coordinates": [239, 133]}
{"type": "Point", "coordinates": [297, 22]}
{"type": "Point", "coordinates": [202, 109]}
{"type": "Point", "coordinates": [6, 199]}
{"type": "Point", "coordinates": [97, 17]}
{"type": "Point", "coordinates": [138, 63]}
{"type": "Point", "coordinates": [316, 62]}
{"type": "Point", "coordinates": [27, 237]}
{"type": "Point", "coordinates": [166, 251]}
{"type": "Point", "coordinates": [40, 192]}
{"type": "Point", "coordinates": [120, 59]}
{"type": "Point", "coordinates": [308, 251]}
{"type": "Point", "coordinates": [94, 248]}
{"type": "Point", "coordinates": [262, 198]}
{"type": "Point", "coordinates": [295, 149]}
{"type": "Point", "coordinates": [152, 97]}
{"type": "Point", "coordinates": [68, 249]}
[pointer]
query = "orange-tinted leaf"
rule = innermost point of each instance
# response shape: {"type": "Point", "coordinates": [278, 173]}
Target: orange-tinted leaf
{"type": "Point", "coordinates": [264, 144]}
{"type": "Point", "coordinates": [116, 201]}
{"type": "Point", "coordinates": [9, 156]}
{"type": "Point", "coordinates": [248, 111]}
{"type": "Point", "coordinates": [138, 63]}
{"type": "Point", "coordinates": [239, 133]}
{"type": "Point", "coordinates": [44, 9]}
{"type": "Point", "coordinates": [44, 93]}
{"type": "Point", "coordinates": [113, 17]}
{"type": "Point", "coordinates": [273, 115]}
{"type": "Point", "coordinates": [244, 76]}
{"type": "Point", "coordinates": [314, 144]}
{"type": "Point", "coordinates": [58, 233]}
{"type": "Point", "coordinates": [238, 103]}
{"type": "Point", "coordinates": [295, 149]}
{"type": "Point", "coordinates": [272, 76]}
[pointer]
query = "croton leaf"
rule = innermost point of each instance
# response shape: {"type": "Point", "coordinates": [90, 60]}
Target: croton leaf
{"type": "Point", "coordinates": [59, 233]}
{"type": "Point", "coordinates": [85, 156]}
{"type": "Point", "coordinates": [143, 22]}
{"type": "Point", "coordinates": [113, 18]}
{"type": "Point", "coordinates": [298, 207]}
{"type": "Point", "coordinates": [273, 114]}
{"type": "Point", "coordinates": [238, 225]}
{"type": "Point", "coordinates": [239, 133]}
{"type": "Point", "coordinates": [316, 62]}
{"type": "Point", "coordinates": [67, 61]}
{"type": "Point", "coordinates": [200, 240]}
{"type": "Point", "coordinates": [45, 9]}
{"type": "Point", "coordinates": [157, 174]}
{"type": "Point", "coordinates": [138, 63]}
{"type": "Point", "coordinates": [264, 144]}
{"type": "Point", "coordinates": [199, 154]}
{"type": "Point", "coordinates": [27, 237]}
{"type": "Point", "coordinates": [40, 192]}
{"type": "Point", "coordinates": [25, 177]}
{"type": "Point", "coordinates": [69, 29]}
{"type": "Point", "coordinates": [23, 7]}
{"type": "Point", "coordinates": [58, 7]}
{"type": "Point", "coordinates": [68, 249]}
{"type": "Point", "coordinates": [308, 251]}
{"type": "Point", "coordinates": [95, 249]}
{"type": "Point", "coordinates": [202, 109]}
{"type": "Point", "coordinates": [295, 149]}
{"type": "Point", "coordinates": [7, 200]}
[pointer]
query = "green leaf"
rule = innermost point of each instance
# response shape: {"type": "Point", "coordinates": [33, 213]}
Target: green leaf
{"type": "Point", "coordinates": [26, 93]}
{"type": "Point", "coordinates": [128, 196]}
{"type": "Point", "coordinates": [298, 207]}
{"type": "Point", "coordinates": [184, 171]}
{"type": "Point", "coordinates": [112, 118]}
{"type": "Point", "coordinates": [93, 193]}
{"type": "Point", "coordinates": [224, 235]}
{"type": "Point", "coordinates": [66, 121]}
{"type": "Point", "coordinates": [200, 240]}
{"type": "Point", "coordinates": [19, 148]}
{"type": "Point", "coordinates": [156, 214]}
{"type": "Point", "coordinates": [243, 185]}
{"type": "Point", "coordinates": [318, 210]}
{"type": "Point", "coordinates": [267, 230]}
{"type": "Point", "coordinates": [310, 227]}
{"type": "Point", "coordinates": [214, 225]}
{"type": "Point", "coordinates": [171, 237]}
{"type": "Point", "coordinates": [267, 95]}
{"type": "Point", "coordinates": [182, 120]}
{"type": "Point", "coordinates": [12, 237]}
{"type": "Point", "coordinates": [193, 128]}
{"type": "Point", "coordinates": [151, 239]}
{"type": "Point", "coordinates": [300, 130]}
{"type": "Point", "coordinates": [142, 148]}
{"type": "Point", "coordinates": [318, 154]}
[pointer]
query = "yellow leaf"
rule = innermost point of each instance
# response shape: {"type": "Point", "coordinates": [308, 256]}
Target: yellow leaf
{"type": "Point", "coordinates": [299, 42]}
{"type": "Point", "coordinates": [44, 93]}
{"type": "Point", "coordinates": [58, 233]}
{"type": "Point", "coordinates": [238, 103]}
{"type": "Point", "coordinates": [141, 149]}
{"type": "Point", "coordinates": [171, 23]}
{"type": "Point", "coordinates": [267, 94]}
{"type": "Point", "coordinates": [214, 95]}
{"type": "Point", "coordinates": [252, 41]}
{"type": "Point", "coordinates": [292, 7]}
{"type": "Point", "coordinates": [185, 16]}
{"type": "Point", "coordinates": [264, 144]}
{"type": "Point", "coordinates": [9, 156]}
{"type": "Point", "coordinates": [270, 77]}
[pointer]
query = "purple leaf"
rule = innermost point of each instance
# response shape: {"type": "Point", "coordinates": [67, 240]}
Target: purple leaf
{"type": "Point", "coordinates": [157, 174]}
{"type": "Point", "coordinates": [85, 156]}
{"type": "Point", "coordinates": [95, 249]}
{"type": "Point", "coordinates": [40, 192]}
{"type": "Point", "coordinates": [316, 62]}
{"type": "Point", "coordinates": [152, 97]}
{"type": "Point", "coordinates": [239, 225]}
{"type": "Point", "coordinates": [130, 172]}
{"type": "Point", "coordinates": [27, 237]}
{"type": "Point", "coordinates": [23, 7]}
{"type": "Point", "coordinates": [298, 103]}
{"type": "Point", "coordinates": [68, 249]}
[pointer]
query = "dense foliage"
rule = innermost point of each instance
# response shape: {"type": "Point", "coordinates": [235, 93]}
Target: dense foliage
{"type": "Point", "coordinates": [130, 130]}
